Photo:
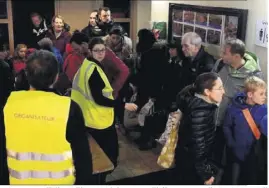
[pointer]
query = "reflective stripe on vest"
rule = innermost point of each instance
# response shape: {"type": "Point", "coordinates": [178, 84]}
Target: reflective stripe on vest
{"type": "Point", "coordinates": [85, 93]}
{"type": "Point", "coordinates": [40, 174]}
{"type": "Point", "coordinates": [31, 156]}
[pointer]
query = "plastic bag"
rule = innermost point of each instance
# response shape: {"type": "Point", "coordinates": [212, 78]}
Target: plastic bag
{"type": "Point", "coordinates": [146, 110]}
{"type": "Point", "coordinates": [173, 119]}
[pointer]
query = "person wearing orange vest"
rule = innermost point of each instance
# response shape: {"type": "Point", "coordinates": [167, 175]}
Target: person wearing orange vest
{"type": "Point", "coordinates": [46, 141]}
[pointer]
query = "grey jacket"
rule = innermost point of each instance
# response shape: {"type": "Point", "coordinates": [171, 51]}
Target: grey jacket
{"type": "Point", "coordinates": [233, 82]}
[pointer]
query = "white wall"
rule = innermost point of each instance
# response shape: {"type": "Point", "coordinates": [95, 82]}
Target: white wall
{"type": "Point", "coordinates": [257, 10]}
{"type": "Point", "coordinates": [143, 18]}
{"type": "Point", "coordinates": [144, 12]}
{"type": "Point", "coordinates": [76, 13]}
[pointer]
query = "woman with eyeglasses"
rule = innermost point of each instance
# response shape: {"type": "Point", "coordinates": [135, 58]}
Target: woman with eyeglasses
{"type": "Point", "coordinates": [196, 136]}
{"type": "Point", "coordinates": [94, 94]}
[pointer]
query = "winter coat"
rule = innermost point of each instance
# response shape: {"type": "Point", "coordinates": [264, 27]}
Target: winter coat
{"type": "Point", "coordinates": [105, 27]}
{"type": "Point", "coordinates": [238, 134]}
{"type": "Point", "coordinates": [39, 32]}
{"type": "Point", "coordinates": [18, 65]}
{"type": "Point", "coordinates": [116, 71]}
{"type": "Point", "coordinates": [202, 62]}
{"type": "Point", "coordinates": [233, 82]}
{"type": "Point", "coordinates": [71, 64]}
{"type": "Point", "coordinates": [196, 132]}
{"type": "Point", "coordinates": [92, 31]}
{"type": "Point", "coordinates": [172, 81]}
{"type": "Point", "coordinates": [61, 42]}
{"type": "Point", "coordinates": [150, 74]}
{"type": "Point", "coordinates": [58, 56]}
{"type": "Point", "coordinates": [123, 50]}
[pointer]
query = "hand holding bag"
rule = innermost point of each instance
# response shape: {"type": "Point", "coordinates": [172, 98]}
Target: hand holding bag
{"type": "Point", "coordinates": [131, 118]}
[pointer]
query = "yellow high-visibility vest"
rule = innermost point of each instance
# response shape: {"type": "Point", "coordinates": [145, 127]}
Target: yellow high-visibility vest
{"type": "Point", "coordinates": [37, 149]}
{"type": "Point", "coordinates": [95, 116]}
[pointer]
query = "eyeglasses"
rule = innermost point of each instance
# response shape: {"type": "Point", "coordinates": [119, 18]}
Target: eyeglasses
{"type": "Point", "coordinates": [220, 88]}
{"type": "Point", "coordinates": [99, 51]}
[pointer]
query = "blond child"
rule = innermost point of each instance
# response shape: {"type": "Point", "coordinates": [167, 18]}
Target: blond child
{"type": "Point", "coordinates": [240, 137]}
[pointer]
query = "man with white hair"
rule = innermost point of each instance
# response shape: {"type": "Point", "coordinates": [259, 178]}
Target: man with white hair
{"type": "Point", "coordinates": [196, 60]}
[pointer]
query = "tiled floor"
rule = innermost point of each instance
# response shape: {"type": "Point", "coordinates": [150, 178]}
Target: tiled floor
{"type": "Point", "coordinates": [132, 161]}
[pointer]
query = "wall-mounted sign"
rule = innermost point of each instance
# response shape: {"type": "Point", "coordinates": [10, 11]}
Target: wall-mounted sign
{"type": "Point", "coordinates": [261, 38]}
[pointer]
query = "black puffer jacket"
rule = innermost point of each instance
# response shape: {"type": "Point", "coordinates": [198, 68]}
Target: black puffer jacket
{"type": "Point", "coordinates": [197, 132]}
{"type": "Point", "coordinates": [92, 31]}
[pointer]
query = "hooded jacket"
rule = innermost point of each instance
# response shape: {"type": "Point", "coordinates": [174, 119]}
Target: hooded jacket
{"type": "Point", "coordinates": [233, 82]}
{"type": "Point", "coordinates": [238, 134]}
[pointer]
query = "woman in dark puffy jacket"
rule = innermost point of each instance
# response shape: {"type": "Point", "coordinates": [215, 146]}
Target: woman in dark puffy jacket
{"type": "Point", "coordinates": [198, 103]}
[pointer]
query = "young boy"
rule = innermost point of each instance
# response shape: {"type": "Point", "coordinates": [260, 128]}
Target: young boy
{"type": "Point", "coordinates": [240, 139]}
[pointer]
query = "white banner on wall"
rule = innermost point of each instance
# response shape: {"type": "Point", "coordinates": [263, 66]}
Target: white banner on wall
{"type": "Point", "coordinates": [261, 33]}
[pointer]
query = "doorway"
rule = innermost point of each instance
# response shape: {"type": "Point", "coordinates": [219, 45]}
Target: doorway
{"type": "Point", "coordinates": [21, 18]}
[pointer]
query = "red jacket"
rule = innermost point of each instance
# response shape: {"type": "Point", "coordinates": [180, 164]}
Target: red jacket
{"type": "Point", "coordinates": [18, 65]}
{"type": "Point", "coordinates": [71, 64]}
{"type": "Point", "coordinates": [116, 71]}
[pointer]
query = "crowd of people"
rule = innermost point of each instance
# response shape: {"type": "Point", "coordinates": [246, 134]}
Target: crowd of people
{"type": "Point", "coordinates": [63, 87]}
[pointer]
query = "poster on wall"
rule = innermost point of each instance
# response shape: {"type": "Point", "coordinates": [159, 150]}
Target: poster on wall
{"type": "Point", "coordinates": [159, 30]}
{"type": "Point", "coordinates": [213, 24]}
{"type": "Point", "coordinates": [231, 27]}
{"type": "Point", "coordinates": [261, 38]}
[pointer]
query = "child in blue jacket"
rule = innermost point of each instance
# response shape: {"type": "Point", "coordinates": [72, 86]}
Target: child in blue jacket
{"type": "Point", "coordinates": [239, 137]}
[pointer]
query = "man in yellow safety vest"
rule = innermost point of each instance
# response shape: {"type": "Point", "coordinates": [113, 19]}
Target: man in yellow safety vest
{"type": "Point", "coordinates": [46, 140]}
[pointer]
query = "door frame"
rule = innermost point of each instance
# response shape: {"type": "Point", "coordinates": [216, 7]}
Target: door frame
{"type": "Point", "coordinates": [9, 22]}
